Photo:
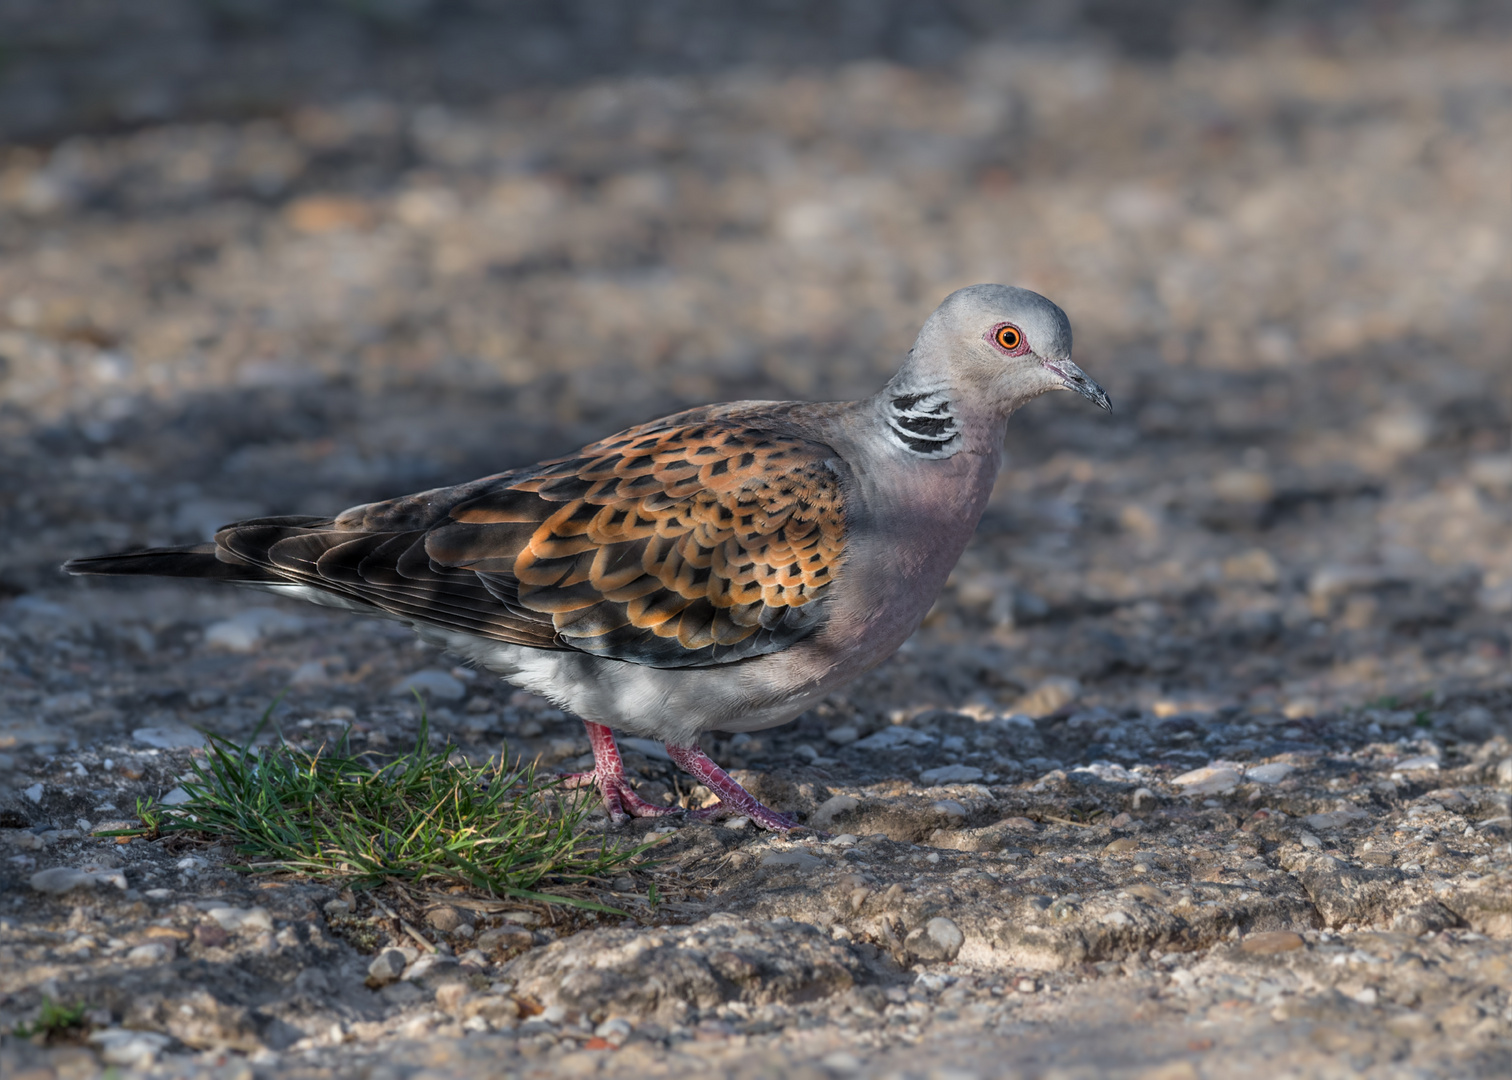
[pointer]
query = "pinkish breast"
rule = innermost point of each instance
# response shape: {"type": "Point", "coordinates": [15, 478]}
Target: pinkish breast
{"type": "Point", "coordinates": [918, 517]}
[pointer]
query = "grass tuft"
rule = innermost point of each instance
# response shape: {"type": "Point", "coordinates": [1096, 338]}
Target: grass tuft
{"type": "Point", "coordinates": [417, 820]}
{"type": "Point", "coordinates": [52, 1019]}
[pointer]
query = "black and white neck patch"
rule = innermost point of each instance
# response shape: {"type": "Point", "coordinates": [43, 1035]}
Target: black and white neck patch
{"type": "Point", "coordinates": [925, 424]}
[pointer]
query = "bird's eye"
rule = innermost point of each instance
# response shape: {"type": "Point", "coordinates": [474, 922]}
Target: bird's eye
{"type": "Point", "coordinates": [1009, 337]}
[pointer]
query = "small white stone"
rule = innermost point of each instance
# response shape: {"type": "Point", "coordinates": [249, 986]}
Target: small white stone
{"type": "Point", "coordinates": [309, 673]}
{"type": "Point", "coordinates": [951, 774]}
{"type": "Point", "coordinates": [61, 879]}
{"type": "Point", "coordinates": [949, 808]}
{"type": "Point", "coordinates": [1208, 781]}
{"type": "Point", "coordinates": [841, 1062]}
{"type": "Point", "coordinates": [133, 1049]}
{"type": "Point", "coordinates": [801, 859]}
{"type": "Point", "coordinates": [1273, 773]}
{"type": "Point", "coordinates": [614, 1031]}
{"type": "Point", "coordinates": [154, 952]}
{"type": "Point", "coordinates": [843, 735]}
{"type": "Point", "coordinates": [1334, 819]}
{"type": "Point", "coordinates": [34, 793]}
{"type": "Point", "coordinates": [169, 738]}
{"type": "Point", "coordinates": [832, 808]}
{"type": "Point", "coordinates": [938, 939]}
{"type": "Point", "coordinates": [243, 631]}
{"type": "Point", "coordinates": [177, 797]}
{"type": "Point", "coordinates": [385, 968]}
{"type": "Point", "coordinates": [1424, 762]}
{"type": "Point", "coordinates": [233, 919]}
{"type": "Point", "coordinates": [649, 747]}
{"type": "Point", "coordinates": [432, 682]}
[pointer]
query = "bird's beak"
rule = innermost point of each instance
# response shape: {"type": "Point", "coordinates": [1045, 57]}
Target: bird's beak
{"type": "Point", "coordinates": [1074, 378]}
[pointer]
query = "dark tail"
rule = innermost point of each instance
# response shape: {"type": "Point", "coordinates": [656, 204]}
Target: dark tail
{"type": "Point", "coordinates": [197, 561]}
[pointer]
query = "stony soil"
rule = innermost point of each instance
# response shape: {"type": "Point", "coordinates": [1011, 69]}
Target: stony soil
{"type": "Point", "coordinates": [1201, 767]}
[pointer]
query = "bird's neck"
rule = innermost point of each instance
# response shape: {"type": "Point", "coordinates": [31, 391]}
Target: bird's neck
{"type": "Point", "coordinates": [929, 419]}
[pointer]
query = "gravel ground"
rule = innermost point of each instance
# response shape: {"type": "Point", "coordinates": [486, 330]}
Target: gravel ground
{"type": "Point", "coordinates": [1202, 766]}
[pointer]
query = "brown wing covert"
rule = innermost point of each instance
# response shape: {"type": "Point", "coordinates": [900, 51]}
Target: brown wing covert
{"type": "Point", "coordinates": [677, 546]}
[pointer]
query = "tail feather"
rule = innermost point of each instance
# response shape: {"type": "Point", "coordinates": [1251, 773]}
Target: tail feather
{"type": "Point", "coordinates": [196, 561]}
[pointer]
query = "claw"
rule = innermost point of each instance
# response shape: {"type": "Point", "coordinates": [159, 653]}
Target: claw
{"type": "Point", "coordinates": [733, 799]}
{"type": "Point", "coordinates": [608, 775]}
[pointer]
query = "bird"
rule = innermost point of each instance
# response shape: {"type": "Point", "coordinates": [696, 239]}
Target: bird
{"type": "Point", "coordinates": [719, 569]}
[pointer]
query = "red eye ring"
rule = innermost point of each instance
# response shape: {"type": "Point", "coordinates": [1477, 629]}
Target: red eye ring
{"type": "Point", "coordinates": [1009, 338]}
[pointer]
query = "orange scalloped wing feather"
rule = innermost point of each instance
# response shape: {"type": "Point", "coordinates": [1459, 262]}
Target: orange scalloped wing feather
{"type": "Point", "coordinates": [668, 545]}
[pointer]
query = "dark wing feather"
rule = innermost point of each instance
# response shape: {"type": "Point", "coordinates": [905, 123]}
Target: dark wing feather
{"type": "Point", "coordinates": [675, 544]}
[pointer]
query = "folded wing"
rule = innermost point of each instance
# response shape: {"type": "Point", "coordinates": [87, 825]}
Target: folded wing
{"type": "Point", "coordinates": [693, 541]}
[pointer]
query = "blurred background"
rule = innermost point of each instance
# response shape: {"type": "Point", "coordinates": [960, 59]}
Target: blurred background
{"type": "Point", "coordinates": [269, 256]}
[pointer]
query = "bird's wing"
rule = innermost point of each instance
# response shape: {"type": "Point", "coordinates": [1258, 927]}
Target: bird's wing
{"type": "Point", "coordinates": [674, 544]}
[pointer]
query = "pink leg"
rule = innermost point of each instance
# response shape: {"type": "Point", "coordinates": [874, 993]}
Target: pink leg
{"type": "Point", "coordinates": [733, 798]}
{"type": "Point", "coordinates": [608, 776]}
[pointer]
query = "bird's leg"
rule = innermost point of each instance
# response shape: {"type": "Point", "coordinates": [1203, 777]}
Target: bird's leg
{"type": "Point", "coordinates": [608, 775]}
{"type": "Point", "coordinates": [733, 799]}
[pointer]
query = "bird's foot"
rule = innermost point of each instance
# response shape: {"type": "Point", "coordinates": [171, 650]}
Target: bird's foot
{"type": "Point", "coordinates": [734, 800]}
{"type": "Point", "coordinates": [608, 775]}
{"type": "Point", "coordinates": [620, 799]}
{"type": "Point", "coordinates": [758, 812]}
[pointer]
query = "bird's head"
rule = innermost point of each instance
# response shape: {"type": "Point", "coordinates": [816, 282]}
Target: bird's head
{"type": "Point", "coordinates": [1003, 346]}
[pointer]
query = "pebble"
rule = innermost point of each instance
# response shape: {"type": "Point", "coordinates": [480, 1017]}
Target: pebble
{"type": "Point", "coordinates": [309, 673]}
{"type": "Point", "coordinates": [800, 859]}
{"type": "Point", "coordinates": [1273, 773]}
{"type": "Point", "coordinates": [1271, 941]}
{"type": "Point", "coordinates": [841, 1062]}
{"type": "Point", "coordinates": [831, 808]}
{"type": "Point", "coordinates": [938, 939]}
{"type": "Point", "coordinates": [1208, 781]}
{"type": "Point", "coordinates": [951, 774]}
{"type": "Point", "coordinates": [169, 738]}
{"type": "Point", "coordinates": [505, 937]}
{"type": "Point", "coordinates": [385, 968]}
{"type": "Point", "coordinates": [949, 808]}
{"type": "Point", "coordinates": [445, 918]}
{"type": "Point", "coordinates": [1334, 819]}
{"type": "Point", "coordinates": [131, 1049]}
{"type": "Point", "coordinates": [614, 1031]}
{"type": "Point", "coordinates": [843, 735]}
{"type": "Point", "coordinates": [243, 631]}
{"type": "Point", "coordinates": [34, 793]}
{"type": "Point", "coordinates": [431, 682]}
{"type": "Point", "coordinates": [648, 747]}
{"type": "Point", "coordinates": [233, 919]}
{"type": "Point", "coordinates": [154, 952]}
{"type": "Point", "coordinates": [62, 879]}
{"type": "Point", "coordinates": [892, 738]}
